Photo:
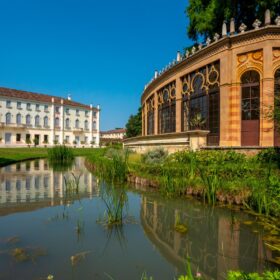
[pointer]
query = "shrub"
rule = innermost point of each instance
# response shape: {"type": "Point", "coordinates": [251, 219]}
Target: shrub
{"type": "Point", "coordinates": [269, 155]}
{"type": "Point", "coordinates": [154, 156]}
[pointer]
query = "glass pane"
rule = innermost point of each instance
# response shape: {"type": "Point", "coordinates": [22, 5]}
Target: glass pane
{"type": "Point", "coordinates": [255, 93]}
{"type": "Point", "coordinates": [255, 104]}
{"type": "Point", "coordinates": [245, 104]}
{"type": "Point", "coordinates": [245, 92]}
{"type": "Point", "coordinates": [246, 115]}
{"type": "Point", "coordinates": [254, 114]}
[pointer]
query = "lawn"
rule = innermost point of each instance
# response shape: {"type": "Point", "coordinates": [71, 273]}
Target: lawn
{"type": "Point", "coordinates": [12, 155]}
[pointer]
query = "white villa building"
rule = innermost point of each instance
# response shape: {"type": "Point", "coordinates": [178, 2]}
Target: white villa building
{"type": "Point", "coordinates": [29, 118]}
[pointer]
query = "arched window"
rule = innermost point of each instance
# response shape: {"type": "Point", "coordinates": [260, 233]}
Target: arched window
{"type": "Point", "coordinates": [67, 123]}
{"type": "Point", "coordinates": [8, 118]}
{"type": "Point", "coordinates": [86, 125]}
{"type": "Point", "coordinates": [94, 125]}
{"type": "Point", "coordinates": [250, 108]}
{"type": "Point", "coordinates": [250, 82]}
{"type": "Point", "coordinates": [77, 123]}
{"type": "Point", "coordinates": [37, 120]}
{"type": "Point", "coordinates": [46, 121]}
{"type": "Point", "coordinates": [201, 102]}
{"type": "Point", "coordinates": [56, 122]}
{"type": "Point", "coordinates": [28, 119]}
{"type": "Point", "coordinates": [167, 109]}
{"type": "Point", "coordinates": [150, 115]}
{"type": "Point", "coordinates": [18, 118]}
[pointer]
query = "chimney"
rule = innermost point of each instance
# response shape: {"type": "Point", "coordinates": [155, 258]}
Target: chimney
{"type": "Point", "coordinates": [69, 96]}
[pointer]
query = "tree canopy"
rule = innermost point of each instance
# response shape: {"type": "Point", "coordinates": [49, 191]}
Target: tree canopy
{"type": "Point", "coordinates": [134, 124]}
{"type": "Point", "coordinates": [206, 16]}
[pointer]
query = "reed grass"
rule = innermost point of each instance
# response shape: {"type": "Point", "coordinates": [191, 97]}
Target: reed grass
{"type": "Point", "coordinates": [60, 154]}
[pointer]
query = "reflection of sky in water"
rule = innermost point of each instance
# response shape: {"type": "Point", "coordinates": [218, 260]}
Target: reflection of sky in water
{"type": "Point", "coordinates": [213, 242]}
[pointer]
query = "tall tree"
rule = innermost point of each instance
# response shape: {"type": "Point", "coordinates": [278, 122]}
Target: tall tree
{"type": "Point", "coordinates": [134, 124]}
{"type": "Point", "coordinates": [206, 16]}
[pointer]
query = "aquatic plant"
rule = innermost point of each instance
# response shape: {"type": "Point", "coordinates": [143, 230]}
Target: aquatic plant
{"type": "Point", "coordinates": [27, 254]}
{"type": "Point", "coordinates": [239, 275]}
{"type": "Point", "coordinates": [115, 200]}
{"type": "Point", "coordinates": [211, 182]}
{"type": "Point", "coordinates": [60, 154]}
{"type": "Point", "coordinates": [77, 258]}
{"type": "Point", "coordinates": [179, 227]}
{"type": "Point", "coordinates": [113, 167]}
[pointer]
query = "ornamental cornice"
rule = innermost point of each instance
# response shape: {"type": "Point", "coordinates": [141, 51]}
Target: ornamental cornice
{"type": "Point", "coordinates": [269, 32]}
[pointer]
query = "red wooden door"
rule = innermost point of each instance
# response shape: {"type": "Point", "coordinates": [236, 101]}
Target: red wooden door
{"type": "Point", "coordinates": [250, 108]}
{"type": "Point", "coordinates": [250, 132]}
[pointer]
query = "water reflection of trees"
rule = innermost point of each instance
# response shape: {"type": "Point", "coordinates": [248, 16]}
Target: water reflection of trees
{"type": "Point", "coordinates": [214, 242]}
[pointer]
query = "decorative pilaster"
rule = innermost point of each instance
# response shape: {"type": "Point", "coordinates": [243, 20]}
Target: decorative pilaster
{"type": "Point", "coordinates": [90, 124]}
{"type": "Point", "coordinates": [155, 114]}
{"type": "Point", "coordinates": [267, 99]}
{"type": "Point", "coordinates": [178, 105]}
{"type": "Point", "coordinates": [51, 140]}
{"type": "Point", "coordinates": [98, 126]}
{"type": "Point", "coordinates": [61, 136]}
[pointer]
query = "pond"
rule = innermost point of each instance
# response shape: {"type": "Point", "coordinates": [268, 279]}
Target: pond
{"type": "Point", "coordinates": [46, 229]}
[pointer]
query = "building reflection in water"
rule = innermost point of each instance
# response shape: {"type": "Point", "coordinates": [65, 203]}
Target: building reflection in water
{"type": "Point", "coordinates": [215, 242]}
{"type": "Point", "coordinates": [34, 181]}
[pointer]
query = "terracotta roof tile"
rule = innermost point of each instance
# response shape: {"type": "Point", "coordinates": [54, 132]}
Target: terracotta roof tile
{"type": "Point", "coordinates": [14, 93]}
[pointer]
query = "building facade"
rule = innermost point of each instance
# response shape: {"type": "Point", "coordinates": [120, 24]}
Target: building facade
{"type": "Point", "coordinates": [36, 119]}
{"type": "Point", "coordinates": [219, 94]}
{"type": "Point", "coordinates": [118, 134]}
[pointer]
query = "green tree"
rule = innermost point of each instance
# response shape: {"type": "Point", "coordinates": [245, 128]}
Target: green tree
{"type": "Point", "coordinates": [206, 16]}
{"type": "Point", "coordinates": [134, 124]}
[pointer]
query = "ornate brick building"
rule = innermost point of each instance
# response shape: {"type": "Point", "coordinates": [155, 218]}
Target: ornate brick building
{"type": "Point", "coordinates": [219, 94]}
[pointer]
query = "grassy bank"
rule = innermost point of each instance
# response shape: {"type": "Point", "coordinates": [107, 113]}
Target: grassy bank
{"type": "Point", "coordinates": [214, 176]}
{"type": "Point", "coordinates": [12, 155]}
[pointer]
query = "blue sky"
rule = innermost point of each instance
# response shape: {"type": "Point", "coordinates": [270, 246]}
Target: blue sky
{"type": "Point", "coordinates": [102, 52]}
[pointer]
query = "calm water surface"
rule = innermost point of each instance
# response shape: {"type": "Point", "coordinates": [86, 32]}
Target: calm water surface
{"type": "Point", "coordinates": [38, 231]}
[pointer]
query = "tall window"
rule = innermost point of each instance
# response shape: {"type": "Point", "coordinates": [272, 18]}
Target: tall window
{"type": "Point", "coordinates": [8, 118]}
{"type": "Point", "coordinates": [167, 109]}
{"type": "Point", "coordinates": [150, 115]}
{"type": "Point", "coordinates": [86, 125]}
{"type": "Point", "coordinates": [37, 121]}
{"type": "Point", "coordinates": [56, 122]}
{"type": "Point", "coordinates": [67, 123]}
{"type": "Point", "coordinates": [77, 123]}
{"type": "Point", "coordinates": [28, 120]}
{"type": "Point", "coordinates": [46, 121]}
{"type": "Point", "coordinates": [201, 102]}
{"type": "Point", "coordinates": [250, 108]}
{"type": "Point", "coordinates": [94, 125]}
{"type": "Point", "coordinates": [18, 118]}
{"type": "Point", "coordinates": [250, 105]}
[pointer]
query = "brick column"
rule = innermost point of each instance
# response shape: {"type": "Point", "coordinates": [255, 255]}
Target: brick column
{"type": "Point", "coordinates": [267, 99]}
{"type": "Point", "coordinates": [178, 105]}
{"type": "Point", "coordinates": [145, 119]}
